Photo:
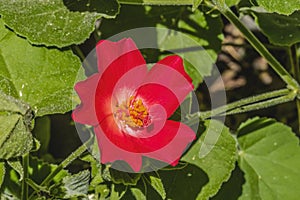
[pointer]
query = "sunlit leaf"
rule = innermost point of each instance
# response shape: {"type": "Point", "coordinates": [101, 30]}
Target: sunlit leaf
{"type": "Point", "coordinates": [286, 7]}
{"type": "Point", "coordinates": [219, 156]}
{"type": "Point", "coordinates": [138, 194]}
{"type": "Point", "coordinates": [197, 38]}
{"type": "Point", "coordinates": [72, 186]}
{"type": "Point", "coordinates": [196, 3]}
{"type": "Point", "coordinates": [41, 77]}
{"type": "Point", "coordinates": [17, 166]}
{"type": "Point", "coordinates": [15, 136]}
{"type": "Point", "coordinates": [232, 2]}
{"type": "Point", "coordinates": [157, 185]}
{"type": "Point", "coordinates": [270, 158]}
{"type": "Point", "coordinates": [50, 22]}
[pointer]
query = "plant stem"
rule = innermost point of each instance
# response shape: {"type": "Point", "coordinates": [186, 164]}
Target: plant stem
{"type": "Point", "coordinates": [261, 49]}
{"type": "Point", "coordinates": [294, 62]}
{"type": "Point", "coordinates": [244, 105]}
{"type": "Point", "coordinates": [74, 155]}
{"type": "Point", "coordinates": [25, 162]}
{"type": "Point", "coordinates": [265, 104]}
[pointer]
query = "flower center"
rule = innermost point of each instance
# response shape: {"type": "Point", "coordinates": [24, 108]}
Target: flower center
{"type": "Point", "coordinates": [133, 113]}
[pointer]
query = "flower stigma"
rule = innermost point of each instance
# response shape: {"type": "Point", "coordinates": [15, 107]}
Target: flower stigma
{"type": "Point", "coordinates": [132, 113]}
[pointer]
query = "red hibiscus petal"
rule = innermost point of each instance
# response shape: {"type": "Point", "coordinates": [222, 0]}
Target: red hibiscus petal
{"type": "Point", "coordinates": [117, 145]}
{"type": "Point", "coordinates": [131, 143]}
{"type": "Point", "coordinates": [118, 62]}
{"type": "Point", "coordinates": [85, 113]}
{"type": "Point", "coordinates": [108, 51]}
{"type": "Point", "coordinates": [170, 75]}
{"type": "Point", "coordinates": [153, 93]}
{"type": "Point", "coordinates": [110, 152]}
{"type": "Point", "coordinates": [176, 63]}
{"type": "Point", "coordinates": [124, 74]}
{"type": "Point", "coordinates": [162, 136]}
{"type": "Point", "coordinates": [172, 152]}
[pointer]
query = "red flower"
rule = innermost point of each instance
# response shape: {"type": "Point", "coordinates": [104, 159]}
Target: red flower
{"type": "Point", "coordinates": [129, 105]}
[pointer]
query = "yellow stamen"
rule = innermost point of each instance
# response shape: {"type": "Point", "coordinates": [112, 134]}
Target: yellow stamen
{"type": "Point", "coordinates": [133, 113]}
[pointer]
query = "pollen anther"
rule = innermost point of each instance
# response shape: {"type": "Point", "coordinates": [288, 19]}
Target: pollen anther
{"type": "Point", "coordinates": [133, 113]}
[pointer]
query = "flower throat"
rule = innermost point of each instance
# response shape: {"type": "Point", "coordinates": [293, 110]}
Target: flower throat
{"type": "Point", "coordinates": [133, 113]}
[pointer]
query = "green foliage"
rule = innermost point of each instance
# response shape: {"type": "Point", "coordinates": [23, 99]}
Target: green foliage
{"type": "Point", "coordinates": [38, 71]}
{"type": "Point", "coordinates": [269, 156]}
{"type": "Point", "coordinates": [15, 124]}
{"type": "Point", "coordinates": [2, 172]}
{"type": "Point", "coordinates": [15, 136]}
{"type": "Point", "coordinates": [158, 2]}
{"type": "Point", "coordinates": [72, 186]}
{"type": "Point", "coordinates": [232, 2]}
{"type": "Point", "coordinates": [41, 77]}
{"type": "Point", "coordinates": [194, 33]}
{"type": "Point", "coordinates": [183, 183]}
{"type": "Point", "coordinates": [124, 177]}
{"type": "Point", "coordinates": [17, 166]}
{"type": "Point", "coordinates": [157, 185]}
{"type": "Point", "coordinates": [138, 194]}
{"type": "Point", "coordinates": [280, 29]}
{"type": "Point", "coordinates": [49, 23]}
{"type": "Point", "coordinates": [39, 170]}
{"type": "Point", "coordinates": [108, 9]}
{"type": "Point", "coordinates": [214, 153]}
{"type": "Point", "coordinates": [286, 7]}
{"type": "Point", "coordinates": [196, 4]}
{"type": "Point", "coordinates": [42, 131]}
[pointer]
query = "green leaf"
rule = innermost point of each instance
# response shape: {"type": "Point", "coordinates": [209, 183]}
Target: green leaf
{"type": "Point", "coordinates": [35, 186]}
{"type": "Point", "coordinates": [184, 183]}
{"type": "Point", "coordinates": [42, 132]}
{"type": "Point", "coordinates": [232, 2]}
{"type": "Point", "coordinates": [10, 104]}
{"type": "Point", "coordinates": [15, 137]}
{"type": "Point", "coordinates": [15, 125]}
{"type": "Point", "coordinates": [2, 173]}
{"type": "Point", "coordinates": [157, 185]}
{"type": "Point", "coordinates": [72, 186]}
{"type": "Point", "coordinates": [194, 30]}
{"type": "Point", "coordinates": [196, 3]}
{"type": "Point", "coordinates": [96, 170]}
{"type": "Point", "coordinates": [270, 158]}
{"type": "Point", "coordinates": [39, 170]}
{"type": "Point", "coordinates": [102, 191]}
{"type": "Point", "coordinates": [280, 29]}
{"type": "Point", "coordinates": [138, 194]}
{"type": "Point", "coordinates": [49, 22]}
{"type": "Point", "coordinates": [17, 166]}
{"type": "Point", "coordinates": [41, 77]}
{"type": "Point", "coordinates": [114, 195]}
{"type": "Point", "coordinates": [285, 7]}
{"type": "Point", "coordinates": [214, 153]}
{"type": "Point", "coordinates": [124, 177]}
{"type": "Point", "coordinates": [108, 9]}
{"type": "Point", "coordinates": [11, 185]}
{"type": "Point", "coordinates": [158, 2]}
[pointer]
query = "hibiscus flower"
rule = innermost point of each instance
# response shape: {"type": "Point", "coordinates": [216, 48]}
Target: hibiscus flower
{"type": "Point", "coordinates": [129, 105]}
